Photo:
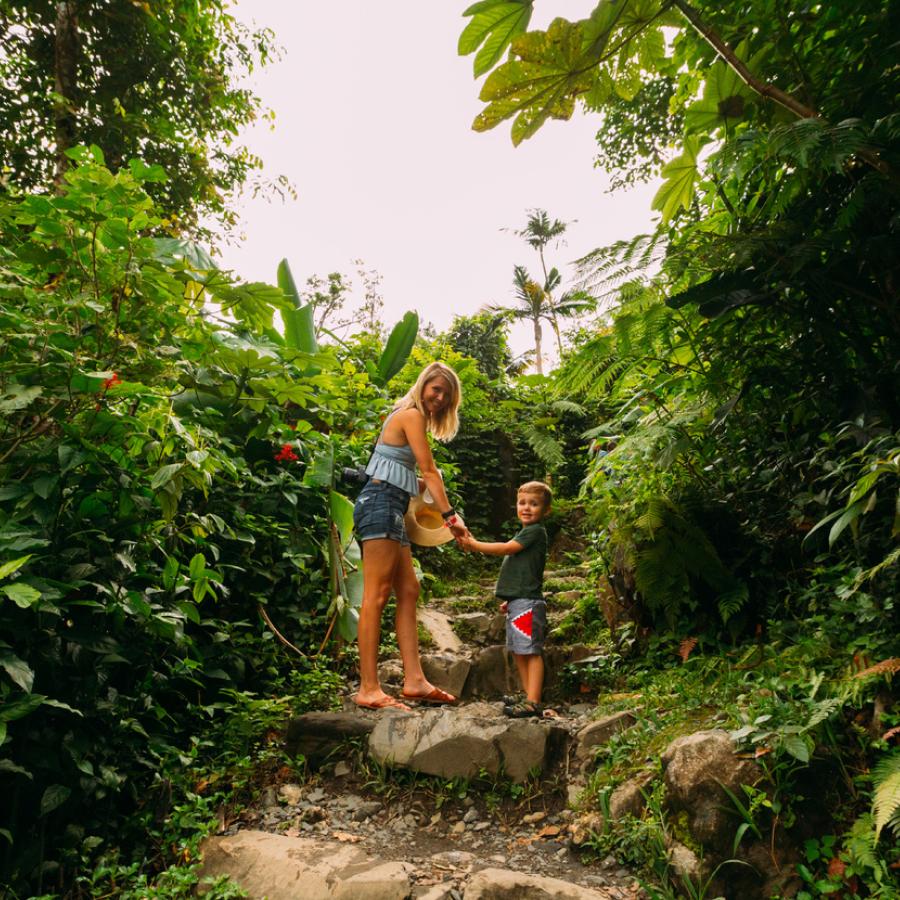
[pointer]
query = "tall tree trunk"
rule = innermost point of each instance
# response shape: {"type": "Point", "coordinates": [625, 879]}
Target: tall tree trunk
{"type": "Point", "coordinates": [65, 70]}
{"type": "Point", "coordinates": [538, 362]}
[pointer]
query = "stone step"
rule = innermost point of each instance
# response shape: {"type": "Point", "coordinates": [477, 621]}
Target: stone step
{"type": "Point", "coordinates": [487, 672]}
{"type": "Point", "coordinates": [464, 741]}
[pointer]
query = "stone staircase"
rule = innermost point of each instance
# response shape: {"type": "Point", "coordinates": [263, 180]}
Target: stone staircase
{"type": "Point", "coordinates": [507, 827]}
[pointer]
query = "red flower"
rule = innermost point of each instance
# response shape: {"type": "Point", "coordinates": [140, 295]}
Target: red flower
{"type": "Point", "coordinates": [111, 381]}
{"type": "Point", "coordinates": [286, 454]}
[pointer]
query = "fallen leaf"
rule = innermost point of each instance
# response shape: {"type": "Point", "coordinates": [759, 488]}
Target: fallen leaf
{"type": "Point", "coordinates": [346, 838]}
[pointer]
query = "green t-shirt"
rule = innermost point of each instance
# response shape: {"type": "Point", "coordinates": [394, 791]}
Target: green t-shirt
{"type": "Point", "coordinates": [522, 573]}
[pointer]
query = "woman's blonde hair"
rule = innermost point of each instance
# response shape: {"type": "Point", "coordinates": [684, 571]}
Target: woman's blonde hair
{"type": "Point", "coordinates": [444, 425]}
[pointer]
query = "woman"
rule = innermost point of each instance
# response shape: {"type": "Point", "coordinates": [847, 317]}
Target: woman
{"type": "Point", "coordinates": [431, 405]}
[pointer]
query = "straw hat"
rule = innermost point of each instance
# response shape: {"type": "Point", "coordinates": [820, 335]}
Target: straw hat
{"type": "Point", "coordinates": [424, 524]}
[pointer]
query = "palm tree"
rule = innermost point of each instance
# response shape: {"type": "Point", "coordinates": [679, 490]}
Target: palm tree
{"type": "Point", "coordinates": [539, 231]}
{"type": "Point", "coordinates": [536, 304]}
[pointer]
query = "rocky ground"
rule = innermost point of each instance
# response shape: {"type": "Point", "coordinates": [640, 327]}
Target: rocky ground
{"type": "Point", "coordinates": [439, 803]}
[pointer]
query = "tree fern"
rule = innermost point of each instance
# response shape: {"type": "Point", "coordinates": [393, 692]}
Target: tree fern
{"type": "Point", "coordinates": [547, 448]}
{"type": "Point", "coordinates": [886, 794]}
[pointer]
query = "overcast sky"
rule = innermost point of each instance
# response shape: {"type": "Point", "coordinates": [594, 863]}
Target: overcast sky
{"type": "Point", "coordinates": [373, 112]}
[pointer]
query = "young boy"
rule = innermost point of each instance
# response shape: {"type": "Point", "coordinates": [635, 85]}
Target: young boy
{"type": "Point", "coordinates": [520, 587]}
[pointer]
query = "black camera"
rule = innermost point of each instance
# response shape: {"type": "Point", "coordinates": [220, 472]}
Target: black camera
{"type": "Point", "coordinates": [355, 476]}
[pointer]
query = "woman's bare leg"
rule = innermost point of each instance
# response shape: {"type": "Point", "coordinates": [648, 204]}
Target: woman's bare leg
{"type": "Point", "coordinates": [380, 559]}
{"type": "Point", "coordinates": [406, 589]}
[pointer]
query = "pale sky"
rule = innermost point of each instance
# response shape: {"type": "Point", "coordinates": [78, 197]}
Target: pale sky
{"type": "Point", "coordinates": [373, 112]}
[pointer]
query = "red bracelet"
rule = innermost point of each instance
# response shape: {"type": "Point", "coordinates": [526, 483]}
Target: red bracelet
{"type": "Point", "coordinates": [453, 520]}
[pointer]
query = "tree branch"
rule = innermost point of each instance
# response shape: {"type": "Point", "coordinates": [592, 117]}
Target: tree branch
{"type": "Point", "coordinates": [766, 89]}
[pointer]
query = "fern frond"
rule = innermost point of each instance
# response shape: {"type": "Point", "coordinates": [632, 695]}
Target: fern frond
{"type": "Point", "coordinates": [685, 647]}
{"type": "Point", "coordinates": [886, 792]}
{"type": "Point", "coordinates": [732, 601]}
{"type": "Point", "coordinates": [563, 406]}
{"type": "Point", "coordinates": [887, 667]}
{"type": "Point", "coordinates": [548, 449]}
{"type": "Point", "coordinates": [860, 843]}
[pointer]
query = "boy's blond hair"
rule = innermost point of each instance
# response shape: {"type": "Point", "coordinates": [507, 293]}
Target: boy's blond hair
{"type": "Point", "coordinates": [444, 425]}
{"type": "Point", "coordinates": [539, 488]}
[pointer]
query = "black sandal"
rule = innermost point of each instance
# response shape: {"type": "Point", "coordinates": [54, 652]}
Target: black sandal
{"type": "Point", "coordinates": [524, 709]}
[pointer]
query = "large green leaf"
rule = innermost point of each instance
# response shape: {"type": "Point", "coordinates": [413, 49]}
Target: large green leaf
{"type": "Point", "coordinates": [299, 326]}
{"type": "Point", "coordinates": [552, 70]}
{"type": "Point", "coordinates": [252, 304]}
{"type": "Point", "coordinates": [321, 471]}
{"type": "Point", "coordinates": [723, 100]}
{"type": "Point", "coordinates": [13, 565]}
{"type": "Point", "coordinates": [54, 796]}
{"type": "Point", "coordinates": [493, 26]}
{"type": "Point", "coordinates": [398, 347]}
{"type": "Point", "coordinates": [18, 396]}
{"type": "Point", "coordinates": [680, 175]}
{"type": "Point", "coordinates": [17, 669]}
{"type": "Point", "coordinates": [23, 595]}
{"type": "Point", "coordinates": [342, 516]}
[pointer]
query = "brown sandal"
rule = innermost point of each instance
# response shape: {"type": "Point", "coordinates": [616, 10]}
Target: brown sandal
{"type": "Point", "coordinates": [386, 702]}
{"type": "Point", "coordinates": [435, 695]}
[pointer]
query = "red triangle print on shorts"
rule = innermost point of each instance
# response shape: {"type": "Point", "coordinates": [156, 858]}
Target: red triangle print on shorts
{"type": "Point", "coordinates": [523, 623]}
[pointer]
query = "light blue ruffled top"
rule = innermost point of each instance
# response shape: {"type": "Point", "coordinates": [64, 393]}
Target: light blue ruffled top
{"type": "Point", "coordinates": [394, 464]}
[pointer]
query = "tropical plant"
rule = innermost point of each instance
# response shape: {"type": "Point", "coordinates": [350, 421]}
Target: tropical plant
{"type": "Point", "coordinates": [160, 81]}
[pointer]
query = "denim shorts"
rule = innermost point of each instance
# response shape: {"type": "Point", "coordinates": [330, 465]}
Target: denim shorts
{"type": "Point", "coordinates": [379, 512]}
{"type": "Point", "coordinates": [526, 626]}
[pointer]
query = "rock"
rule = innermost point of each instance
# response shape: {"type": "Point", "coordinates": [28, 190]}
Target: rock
{"type": "Point", "coordinates": [290, 794]}
{"type": "Point", "coordinates": [504, 884]}
{"type": "Point", "coordinates": [460, 742]}
{"type": "Point", "coordinates": [628, 798]}
{"type": "Point", "coordinates": [366, 809]}
{"type": "Point", "coordinates": [574, 790]}
{"type": "Point", "coordinates": [695, 769]}
{"type": "Point", "coordinates": [316, 734]}
{"type": "Point", "coordinates": [567, 598]}
{"type": "Point", "coordinates": [446, 671]}
{"type": "Point", "coordinates": [685, 863]}
{"type": "Point", "coordinates": [600, 731]}
{"type": "Point", "coordinates": [531, 818]}
{"type": "Point", "coordinates": [280, 868]}
{"type": "Point", "coordinates": [390, 672]}
{"type": "Point", "coordinates": [342, 769]}
{"type": "Point", "coordinates": [556, 658]}
{"type": "Point", "coordinates": [493, 673]}
{"type": "Point", "coordinates": [585, 827]}
{"type": "Point", "coordinates": [440, 628]}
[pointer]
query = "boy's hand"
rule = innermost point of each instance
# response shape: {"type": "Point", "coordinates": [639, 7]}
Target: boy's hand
{"type": "Point", "coordinates": [465, 540]}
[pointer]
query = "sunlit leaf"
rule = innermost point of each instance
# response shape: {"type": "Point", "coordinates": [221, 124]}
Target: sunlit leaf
{"type": "Point", "coordinates": [23, 595]}
{"type": "Point", "coordinates": [493, 26]}
{"type": "Point", "coordinates": [342, 516]}
{"type": "Point", "coordinates": [543, 83]}
{"type": "Point", "coordinates": [680, 175]}
{"type": "Point", "coordinates": [398, 347]}
{"type": "Point", "coordinates": [8, 568]}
